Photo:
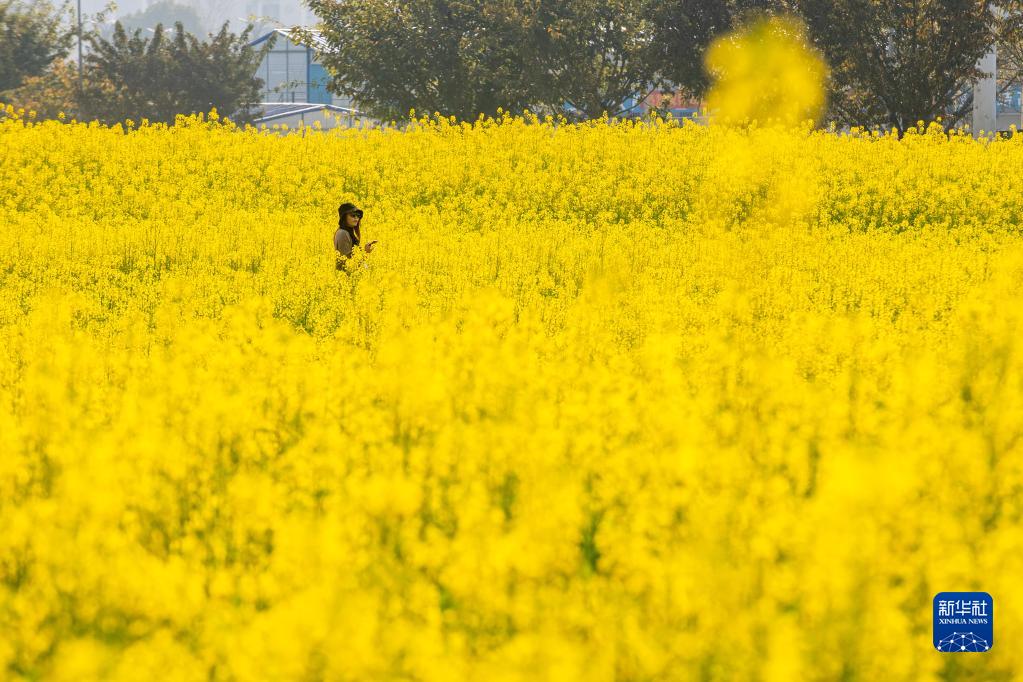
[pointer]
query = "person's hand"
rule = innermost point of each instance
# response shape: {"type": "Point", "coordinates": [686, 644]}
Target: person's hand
{"type": "Point", "coordinates": [369, 246]}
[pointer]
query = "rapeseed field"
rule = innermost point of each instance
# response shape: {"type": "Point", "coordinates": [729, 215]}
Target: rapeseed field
{"type": "Point", "coordinates": [609, 401]}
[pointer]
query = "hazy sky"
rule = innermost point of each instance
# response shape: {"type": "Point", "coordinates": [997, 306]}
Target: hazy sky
{"type": "Point", "coordinates": [215, 12]}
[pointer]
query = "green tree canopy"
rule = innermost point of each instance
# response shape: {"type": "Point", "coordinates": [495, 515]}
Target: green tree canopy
{"type": "Point", "coordinates": [596, 53]}
{"type": "Point", "coordinates": [465, 58]}
{"type": "Point", "coordinates": [894, 62]}
{"type": "Point", "coordinates": [32, 36]}
{"type": "Point", "coordinates": [450, 56]}
{"type": "Point", "coordinates": [1009, 42]}
{"type": "Point", "coordinates": [686, 28]}
{"type": "Point", "coordinates": [159, 76]}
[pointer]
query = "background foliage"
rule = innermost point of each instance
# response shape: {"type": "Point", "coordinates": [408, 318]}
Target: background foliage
{"type": "Point", "coordinates": [895, 63]}
{"type": "Point", "coordinates": [32, 36]}
{"type": "Point", "coordinates": [135, 76]}
{"type": "Point", "coordinates": [891, 62]}
{"type": "Point", "coordinates": [143, 73]}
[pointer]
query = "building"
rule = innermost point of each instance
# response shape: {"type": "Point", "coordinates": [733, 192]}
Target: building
{"type": "Point", "coordinates": [292, 73]}
{"type": "Point", "coordinates": [303, 114]}
{"type": "Point", "coordinates": [295, 85]}
{"type": "Point", "coordinates": [676, 104]}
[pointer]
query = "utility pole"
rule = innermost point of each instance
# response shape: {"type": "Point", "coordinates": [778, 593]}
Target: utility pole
{"type": "Point", "coordinates": [79, 54]}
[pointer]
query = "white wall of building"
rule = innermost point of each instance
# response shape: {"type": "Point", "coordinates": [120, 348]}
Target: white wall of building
{"type": "Point", "coordinates": [985, 116]}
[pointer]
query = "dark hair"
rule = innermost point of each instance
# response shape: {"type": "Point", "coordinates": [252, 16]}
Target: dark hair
{"type": "Point", "coordinates": [341, 211]}
{"type": "Point", "coordinates": [348, 207]}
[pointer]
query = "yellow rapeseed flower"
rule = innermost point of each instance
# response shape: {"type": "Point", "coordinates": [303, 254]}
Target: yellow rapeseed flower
{"type": "Point", "coordinates": [610, 401]}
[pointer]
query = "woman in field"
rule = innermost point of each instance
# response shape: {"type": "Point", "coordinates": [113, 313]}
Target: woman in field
{"type": "Point", "coordinates": [347, 236]}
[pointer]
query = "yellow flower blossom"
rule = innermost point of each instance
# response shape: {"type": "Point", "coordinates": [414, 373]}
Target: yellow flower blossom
{"type": "Point", "coordinates": [610, 401]}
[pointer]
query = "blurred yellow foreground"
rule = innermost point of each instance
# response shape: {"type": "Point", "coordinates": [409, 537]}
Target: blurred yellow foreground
{"type": "Point", "coordinates": [609, 402]}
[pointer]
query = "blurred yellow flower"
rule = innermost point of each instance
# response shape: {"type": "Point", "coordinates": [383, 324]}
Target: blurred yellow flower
{"type": "Point", "coordinates": [766, 72]}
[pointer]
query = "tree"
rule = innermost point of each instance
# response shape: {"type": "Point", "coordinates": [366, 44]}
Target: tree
{"type": "Point", "coordinates": [450, 56]}
{"type": "Point", "coordinates": [158, 77]}
{"type": "Point", "coordinates": [1009, 42]}
{"type": "Point", "coordinates": [127, 77]}
{"type": "Point", "coordinates": [31, 38]}
{"type": "Point", "coordinates": [895, 62]}
{"type": "Point", "coordinates": [596, 54]}
{"type": "Point", "coordinates": [219, 72]}
{"type": "Point", "coordinates": [464, 57]}
{"type": "Point", "coordinates": [685, 29]}
{"type": "Point", "coordinates": [50, 94]}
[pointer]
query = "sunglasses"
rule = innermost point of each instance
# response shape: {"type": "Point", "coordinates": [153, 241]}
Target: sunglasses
{"type": "Point", "coordinates": [357, 214]}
